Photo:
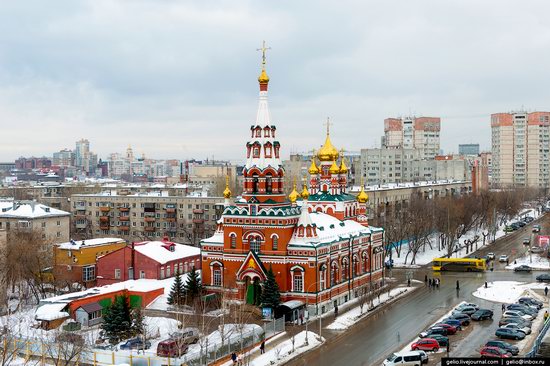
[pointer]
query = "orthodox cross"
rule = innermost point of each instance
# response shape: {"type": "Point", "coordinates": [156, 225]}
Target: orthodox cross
{"type": "Point", "coordinates": [328, 124]}
{"type": "Point", "coordinates": [263, 49]}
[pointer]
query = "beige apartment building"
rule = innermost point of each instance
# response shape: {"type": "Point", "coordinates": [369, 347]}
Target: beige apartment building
{"type": "Point", "coordinates": [145, 216]}
{"type": "Point", "coordinates": [419, 133]}
{"type": "Point", "coordinates": [52, 224]}
{"type": "Point", "coordinates": [520, 149]}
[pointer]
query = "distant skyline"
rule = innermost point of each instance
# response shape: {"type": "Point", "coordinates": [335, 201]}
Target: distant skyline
{"type": "Point", "coordinates": [177, 79]}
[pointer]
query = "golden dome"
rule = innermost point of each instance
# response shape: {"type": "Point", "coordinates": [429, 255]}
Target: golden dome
{"type": "Point", "coordinates": [227, 191]}
{"type": "Point", "coordinates": [334, 169]}
{"type": "Point", "coordinates": [328, 152]}
{"type": "Point", "coordinates": [362, 197]}
{"type": "Point", "coordinates": [313, 167]}
{"type": "Point", "coordinates": [305, 192]}
{"type": "Point", "coordinates": [263, 78]}
{"type": "Point", "coordinates": [343, 167]}
{"type": "Point", "coordinates": [293, 196]}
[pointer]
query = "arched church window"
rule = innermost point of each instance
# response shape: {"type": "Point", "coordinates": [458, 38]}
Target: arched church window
{"type": "Point", "coordinates": [233, 241]}
{"type": "Point", "coordinates": [269, 183]}
{"type": "Point", "coordinates": [255, 183]}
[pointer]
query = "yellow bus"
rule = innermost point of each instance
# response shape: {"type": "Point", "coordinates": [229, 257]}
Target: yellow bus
{"type": "Point", "coordinates": [459, 264]}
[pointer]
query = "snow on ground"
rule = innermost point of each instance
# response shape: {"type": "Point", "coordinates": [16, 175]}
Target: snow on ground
{"type": "Point", "coordinates": [535, 261]}
{"type": "Point", "coordinates": [423, 258]}
{"type": "Point", "coordinates": [161, 302]}
{"type": "Point", "coordinates": [506, 291]}
{"type": "Point", "coordinates": [351, 317]}
{"type": "Point", "coordinates": [282, 352]}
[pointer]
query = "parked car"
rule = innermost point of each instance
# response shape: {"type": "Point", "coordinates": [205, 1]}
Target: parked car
{"type": "Point", "coordinates": [517, 313]}
{"type": "Point", "coordinates": [463, 318]}
{"type": "Point", "coordinates": [425, 344]}
{"type": "Point", "coordinates": [545, 277]}
{"type": "Point", "coordinates": [503, 258]}
{"type": "Point", "coordinates": [135, 343]}
{"type": "Point", "coordinates": [433, 330]}
{"type": "Point", "coordinates": [491, 255]}
{"type": "Point", "coordinates": [493, 352]}
{"type": "Point", "coordinates": [186, 335]}
{"type": "Point", "coordinates": [412, 358]}
{"type": "Point", "coordinates": [514, 350]}
{"type": "Point", "coordinates": [509, 228]}
{"type": "Point", "coordinates": [514, 319]}
{"type": "Point", "coordinates": [536, 250]}
{"type": "Point", "coordinates": [518, 327]}
{"type": "Point", "coordinates": [482, 314]}
{"type": "Point", "coordinates": [441, 339]}
{"type": "Point", "coordinates": [467, 304]}
{"type": "Point", "coordinates": [454, 322]}
{"type": "Point", "coordinates": [530, 301]}
{"type": "Point", "coordinates": [171, 348]}
{"type": "Point", "coordinates": [521, 223]}
{"type": "Point", "coordinates": [466, 310]}
{"type": "Point", "coordinates": [536, 228]}
{"type": "Point", "coordinates": [528, 219]}
{"type": "Point", "coordinates": [524, 308]}
{"type": "Point", "coordinates": [523, 268]}
{"type": "Point", "coordinates": [509, 333]}
{"type": "Point", "coordinates": [450, 328]}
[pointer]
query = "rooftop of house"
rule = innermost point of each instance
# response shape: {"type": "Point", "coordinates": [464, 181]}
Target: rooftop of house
{"type": "Point", "coordinates": [78, 244]}
{"type": "Point", "coordinates": [165, 251]}
{"type": "Point", "coordinates": [28, 210]}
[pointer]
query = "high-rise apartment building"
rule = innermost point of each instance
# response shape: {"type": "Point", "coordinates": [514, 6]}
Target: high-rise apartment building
{"type": "Point", "coordinates": [520, 147]}
{"type": "Point", "coordinates": [84, 158]}
{"type": "Point", "coordinates": [63, 158]}
{"type": "Point", "coordinates": [419, 133]}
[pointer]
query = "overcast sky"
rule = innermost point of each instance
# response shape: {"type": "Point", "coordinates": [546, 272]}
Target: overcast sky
{"type": "Point", "coordinates": [177, 79]}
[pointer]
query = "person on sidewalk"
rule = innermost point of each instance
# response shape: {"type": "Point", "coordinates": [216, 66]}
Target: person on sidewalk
{"type": "Point", "coordinates": [503, 307]}
{"type": "Point", "coordinates": [430, 282]}
{"type": "Point", "coordinates": [262, 348]}
{"type": "Point", "coordinates": [234, 358]}
{"type": "Point", "coordinates": [426, 279]}
{"type": "Point", "coordinates": [546, 291]}
{"type": "Point", "coordinates": [457, 285]}
{"type": "Point", "coordinates": [408, 282]}
{"type": "Point", "coordinates": [545, 315]}
{"type": "Point", "coordinates": [336, 311]}
{"type": "Point", "coordinates": [301, 318]}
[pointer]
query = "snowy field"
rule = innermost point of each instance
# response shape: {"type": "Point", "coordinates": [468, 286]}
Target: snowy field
{"type": "Point", "coordinates": [282, 352]}
{"type": "Point", "coordinates": [423, 258]}
{"type": "Point", "coordinates": [507, 291]}
{"type": "Point", "coordinates": [535, 261]}
{"type": "Point", "coordinates": [351, 317]}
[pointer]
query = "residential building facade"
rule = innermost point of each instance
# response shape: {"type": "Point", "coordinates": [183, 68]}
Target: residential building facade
{"type": "Point", "coordinates": [420, 133]}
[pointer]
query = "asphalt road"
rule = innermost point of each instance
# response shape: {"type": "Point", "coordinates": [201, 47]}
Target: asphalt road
{"type": "Point", "coordinates": [374, 338]}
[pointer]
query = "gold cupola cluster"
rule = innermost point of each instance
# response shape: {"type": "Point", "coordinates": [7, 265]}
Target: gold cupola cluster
{"type": "Point", "coordinates": [362, 197]}
{"type": "Point", "coordinates": [328, 152]}
{"type": "Point", "coordinates": [227, 191]}
{"type": "Point", "coordinates": [294, 195]}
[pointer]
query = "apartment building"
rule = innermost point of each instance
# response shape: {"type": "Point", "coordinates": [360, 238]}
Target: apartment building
{"type": "Point", "coordinates": [145, 216]}
{"type": "Point", "coordinates": [520, 149]}
{"type": "Point", "coordinates": [420, 133]}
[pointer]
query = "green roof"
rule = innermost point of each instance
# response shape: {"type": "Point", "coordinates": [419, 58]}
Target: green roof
{"type": "Point", "coordinates": [326, 196]}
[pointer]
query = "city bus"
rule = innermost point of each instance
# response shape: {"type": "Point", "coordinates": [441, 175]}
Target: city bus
{"type": "Point", "coordinates": [459, 264]}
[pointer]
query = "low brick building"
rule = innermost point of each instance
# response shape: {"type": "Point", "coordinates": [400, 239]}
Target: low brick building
{"type": "Point", "coordinates": [147, 260]}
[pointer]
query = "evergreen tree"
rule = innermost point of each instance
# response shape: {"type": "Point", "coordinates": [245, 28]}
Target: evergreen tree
{"type": "Point", "coordinates": [138, 327]}
{"type": "Point", "coordinates": [117, 320]}
{"type": "Point", "coordinates": [177, 292]}
{"type": "Point", "coordinates": [271, 296]}
{"type": "Point", "coordinates": [193, 286]}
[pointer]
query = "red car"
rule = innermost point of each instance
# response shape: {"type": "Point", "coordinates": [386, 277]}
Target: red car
{"type": "Point", "coordinates": [425, 344]}
{"type": "Point", "coordinates": [450, 328]}
{"type": "Point", "coordinates": [493, 352]}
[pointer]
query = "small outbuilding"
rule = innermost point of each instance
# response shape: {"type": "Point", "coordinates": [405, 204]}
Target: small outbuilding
{"type": "Point", "coordinates": [89, 314]}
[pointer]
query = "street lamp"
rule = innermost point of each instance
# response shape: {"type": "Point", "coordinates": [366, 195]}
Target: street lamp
{"type": "Point", "coordinates": [307, 319]}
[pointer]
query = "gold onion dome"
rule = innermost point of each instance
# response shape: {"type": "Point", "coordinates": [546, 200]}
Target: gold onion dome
{"type": "Point", "coordinates": [313, 167]}
{"type": "Point", "coordinates": [263, 78]}
{"type": "Point", "coordinates": [328, 152]}
{"type": "Point", "coordinates": [362, 197]}
{"type": "Point", "coordinates": [227, 191]}
{"type": "Point", "coordinates": [293, 196]}
{"type": "Point", "coordinates": [343, 167]}
{"type": "Point", "coordinates": [305, 192]}
{"type": "Point", "coordinates": [334, 169]}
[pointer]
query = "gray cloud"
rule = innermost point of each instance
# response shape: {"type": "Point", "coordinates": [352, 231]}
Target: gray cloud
{"type": "Point", "coordinates": [178, 78]}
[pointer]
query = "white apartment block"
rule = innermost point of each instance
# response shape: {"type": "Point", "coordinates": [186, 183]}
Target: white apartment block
{"type": "Point", "coordinates": [520, 149]}
{"type": "Point", "coordinates": [419, 133]}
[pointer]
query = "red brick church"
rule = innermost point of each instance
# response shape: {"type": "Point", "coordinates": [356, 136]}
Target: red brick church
{"type": "Point", "coordinates": [317, 242]}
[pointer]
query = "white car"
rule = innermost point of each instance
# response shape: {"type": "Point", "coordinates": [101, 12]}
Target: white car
{"type": "Point", "coordinates": [517, 327]}
{"type": "Point", "coordinates": [515, 313]}
{"type": "Point", "coordinates": [491, 255]}
{"type": "Point", "coordinates": [503, 258]}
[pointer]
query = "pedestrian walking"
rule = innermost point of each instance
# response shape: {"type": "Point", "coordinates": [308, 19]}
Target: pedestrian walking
{"type": "Point", "coordinates": [336, 311]}
{"type": "Point", "coordinates": [545, 315]}
{"type": "Point", "coordinates": [426, 279]}
{"type": "Point", "coordinates": [240, 360]}
{"type": "Point", "coordinates": [262, 348]}
{"type": "Point", "coordinates": [301, 318]}
{"type": "Point", "coordinates": [234, 358]}
{"type": "Point", "coordinates": [457, 285]}
{"type": "Point", "coordinates": [437, 283]}
{"type": "Point", "coordinates": [546, 291]}
{"type": "Point", "coordinates": [430, 282]}
{"type": "Point", "coordinates": [503, 307]}
{"type": "Point", "coordinates": [408, 282]}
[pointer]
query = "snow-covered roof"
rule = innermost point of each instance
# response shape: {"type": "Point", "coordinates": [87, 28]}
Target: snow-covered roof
{"type": "Point", "coordinates": [390, 186]}
{"type": "Point", "coordinates": [77, 244]}
{"type": "Point", "coordinates": [161, 252]}
{"type": "Point", "coordinates": [51, 312]}
{"type": "Point", "coordinates": [28, 210]}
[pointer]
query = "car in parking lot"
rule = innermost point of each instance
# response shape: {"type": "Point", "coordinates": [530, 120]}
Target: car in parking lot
{"type": "Point", "coordinates": [412, 358]}
{"type": "Point", "coordinates": [503, 258]}
{"type": "Point", "coordinates": [528, 219]}
{"type": "Point", "coordinates": [465, 310]}
{"type": "Point", "coordinates": [454, 322]}
{"type": "Point", "coordinates": [516, 320]}
{"type": "Point", "coordinates": [433, 330]}
{"type": "Point", "coordinates": [523, 268]}
{"type": "Point", "coordinates": [467, 304]}
{"type": "Point", "coordinates": [135, 343]}
{"type": "Point", "coordinates": [482, 314]}
{"type": "Point", "coordinates": [441, 339]}
{"type": "Point", "coordinates": [450, 328]}
{"type": "Point", "coordinates": [545, 277]}
{"type": "Point", "coordinates": [518, 327]}
{"type": "Point", "coordinates": [509, 333]}
{"type": "Point", "coordinates": [517, 313]}
{"type": "Point", "coordinates": [526, 241]}
{"type": "Point", "coordinates": [514, 350]}
{"type": "Point", "coordinates": [524, 309]}
{"type": "Point", "coordinates": [493, 352]}
{"type": "Point", "coordinates": [536, 228]}
{"type": "Point", "coordinates": [530, 301]}
{"type": "Point", "coordinates": [491, 255]}
{"type": "Point", "coordinates": [425, 344]}
{"type": "Point", "coordinates": [510, 228]}
{"type": "Point", "coordinates": [520, 223]}
{"type": "Point", "coordinates": [536, 250]}
{"type": "Point", "coordinates": [463, 318]}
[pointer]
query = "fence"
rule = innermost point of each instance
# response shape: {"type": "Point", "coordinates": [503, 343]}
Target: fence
{"type": "Point", "coordinates": [207, 350]}
{"type": "Point", "coordinates": [536, 346]}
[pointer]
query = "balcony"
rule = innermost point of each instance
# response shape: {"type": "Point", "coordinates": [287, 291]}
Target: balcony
{"type": "Point", "coordinates": [171, 219]}
{"type": "Point", "coordinates": [124, 209]}
{"type": "Point", "coordinates": [81, 225]}
{"type": "Point", "coordinates": [124, 228]}
{"type": "Point", "coordinates": [104, 209]}
{"type": "Point", "coordinates": [104, 226]}
{"type": "Point", "coordinates": [124, 218]}
{"type": "Point", "coordinates": [149, 219]}
{"type": "Point", "coordinates": [80, 217]}
{"type": "Point", "coordinates": [170, 210]}
{"type": "Point", "coordinates": [104, 219]}
{"type": "Point", "coordinates": [149, 228]}
{"type": "Point", "coordinates": [198, 211]}
{"type": "Point", "coordinates": [198, 221]}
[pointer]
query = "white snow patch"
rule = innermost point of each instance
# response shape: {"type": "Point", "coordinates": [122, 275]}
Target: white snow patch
{"type": "Point", "coordinates": [505, 291]}
{"type": "Point", "coordinates": [535, 261]}
{"type": "Point", "coordinates": [282, 352]}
